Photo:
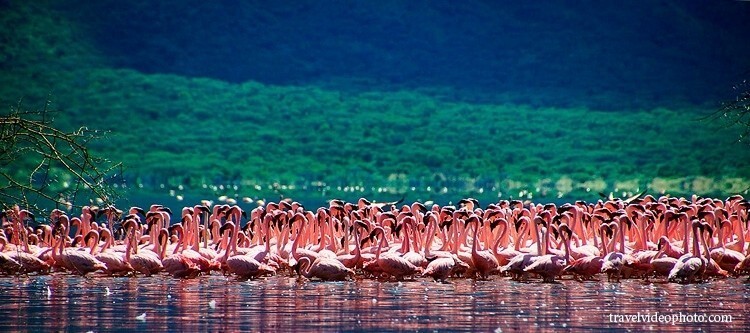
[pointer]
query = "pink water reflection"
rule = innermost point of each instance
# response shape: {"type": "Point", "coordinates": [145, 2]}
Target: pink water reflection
{"type": "Point", "coordinates": [216, 303]}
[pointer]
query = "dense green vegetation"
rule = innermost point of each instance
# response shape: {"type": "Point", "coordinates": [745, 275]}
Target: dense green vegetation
{"type": "Point", "coordinates": [258, 140]}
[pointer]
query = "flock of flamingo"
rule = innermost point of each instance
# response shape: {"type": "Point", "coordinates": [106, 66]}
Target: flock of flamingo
{"type": "Point", "coordinates": [678, 239]}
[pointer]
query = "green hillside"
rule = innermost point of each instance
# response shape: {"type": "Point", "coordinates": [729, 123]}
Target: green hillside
{"type": "Point", "coordinates": [205, 135]}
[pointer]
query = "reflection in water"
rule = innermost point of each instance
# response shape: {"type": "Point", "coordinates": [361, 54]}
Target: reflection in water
{"type": "Point", "coordinates": [58, 302]}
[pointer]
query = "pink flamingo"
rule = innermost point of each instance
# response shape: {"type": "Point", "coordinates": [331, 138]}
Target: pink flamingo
{"type": "Point", "coordinates": [485, 261]}
{"type": "Point", "coordinates": [146, 262]}
{"type": "Point", "coordinates": [551, 265]}
{"type": "Point", "coordinates": [690, 265]}
{"type": "Point", "coordinates": [8, 265]}
{"type": "Point", "coordinates": [661, 266]}
{"type": "Point", "coordinates": [81, 262]}
{"type": "Point", "coordinates": [391, 263]}
{"type": "Point", "coordinates": [176, 264]}
{"type": "Point", "coordinates": [324, 268]}
{"type": "Point", "coordinates": [614, 261]}
{"type": "Point", "coordinates": [354, 260]}
{"type": "Point", "coordinates": [297, 252]}
{"type": "Point", "coordinates": [712, 267]}
{"type": "Point", "coordinates": [242, 265]}
{"type": "Point", "coordinates": [410, 230]}
{"type": "Point", "coordinates": [504, 256]}
{"type": "Point", "coordinates": [726, 258]}
{"type": "Point", "coordinates": [115, 261]}
{"type": "Point", "coordinates": [441, 268]}
{"type": "Point", "coordinates": [585, 268]}
{"type": "Point", "coordinates": [30, 263]}
{"type": "Point", "coordinates": [516, 266]}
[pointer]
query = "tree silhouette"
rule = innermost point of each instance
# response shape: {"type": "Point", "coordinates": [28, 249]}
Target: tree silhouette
{"type": "Point", "coordinates": [46, 167]}
{"type": "Point", "coordinates": [737, 112]}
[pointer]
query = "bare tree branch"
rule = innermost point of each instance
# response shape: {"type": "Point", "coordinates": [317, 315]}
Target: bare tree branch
{"type": "Point", "coordinates": [736, 112]}
{"type": "Point", "coordinates": [46, 167]}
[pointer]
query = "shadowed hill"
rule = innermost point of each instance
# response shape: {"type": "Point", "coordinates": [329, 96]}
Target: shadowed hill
{"type": "Point", "coordinates": [190, 133]}
{"type": "Point", "coordinates": [602, 55]}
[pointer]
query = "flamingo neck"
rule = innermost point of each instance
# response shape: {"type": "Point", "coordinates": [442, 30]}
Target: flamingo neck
{"type": "Point", "coordinates": [500, 236]}
{"type": "Point", "coordinates": [406, 245]}
{"type": "Point", "coordinates": [430, 237]}
{"type": "Point", "coordinates": [380, 246]}
{"type": "Point", "coordinates": [687, 232]}
{"type": "Point", "coordinates": [305, 266]}
{"type": "Point", "coordinates": [535, 235]}
{"type": "Point", "coordinates": [284, 236]}
{"type": "Point", "coordinates": [575, 225]}
{"type": "Point", "coordinates": [163, 252]}
{"type": "Point", "coordinates": [418, 238]}
{"type": "Point", "coordinates": [520, 237]}
{"type": "Point", "coordinates": [180, 244]}
{"type": "Point", "coordinates": [357, 250]}
{"type": "Point", "coordinates": [129, 245]}
{"type": "Point", "coordinates": [696, 249]}
{"type": "Point", "coordinates": [106, 244]}
{"type": "Point", "coordinates": [196, 245]}
{"type": "Point", "coordinates": [644, 234]}
{"type": "Point", "coordinates": [215, 231]}
{"type": "Point", "coordinates": [475, 239]}
{"type": "Point", "coordinates": [455, 239]}
{"type": "Point", "coordinates": [595, 238]}
{"type": "Point", "coordinates": [94, 244]}
{"type": "Point", "coordinates": [268, 235]}
{"type": "Point", "coordinates": [297, 238]}
{"type": "Point", "coordinates": [224, 245]}
{"type": "Point", "coordinates": [706, 249]}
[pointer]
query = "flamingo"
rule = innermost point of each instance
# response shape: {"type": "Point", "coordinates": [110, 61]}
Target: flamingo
{"type": "Point", "coordinates": [516, 266]}
{"type": "Point", "coordinates": [80, 262]}
{"type": "Point", "coordinates": [551, 265]}
{"type": "Point", "coordinates": [391, 263]}
{"type": "Point", "coordinates": [743, 266]}
{"type": "Point", "coordinates": [712, 267]}
{"type": "Point", "coordinates": [29, 263]}
{"type": "Point", "coordinates": [115, 261]}
{"type": "Point", "coordinates": [243, 266]}
{"type": "Point", "coordinates": [690, 265]}
{"type": "Point", "coordinates": [324, 268]}
{"type": "Point", "coordinates": [661, 266]}
{"type": "Point", "coordinates": [9, 265]}
{"type": "Point", "coordinates": [176, 264]}
{"type": "Point", "coordinates": [613, 261]}
{"type": "Point", "coordinates": [585, 268]}
{"type": "Point", "coordinates": [485, 261]}
{"type": "Point", "coordinates": [145, 262]}
{"type": "Point", "coordinates": [726, 258]}
{"type": "Point", "coordinates": [354, 260]}
{"type": "Point", "coordinates": [441, 268]}
{"type": "Point", "coordinates": [504, 256]}
{"type": "Point", "coordinates": [414, 257]}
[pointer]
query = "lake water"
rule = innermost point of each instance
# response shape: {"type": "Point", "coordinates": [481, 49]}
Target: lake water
{"type": "Point", "coordinates": [215, 303]}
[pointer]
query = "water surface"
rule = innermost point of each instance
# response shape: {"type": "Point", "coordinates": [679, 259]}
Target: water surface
{"type": "Point", "coordinates": [222, 304]}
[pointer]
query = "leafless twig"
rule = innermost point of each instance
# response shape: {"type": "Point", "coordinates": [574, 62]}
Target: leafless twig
{"type": "Point", "coordinates": [42, 166]}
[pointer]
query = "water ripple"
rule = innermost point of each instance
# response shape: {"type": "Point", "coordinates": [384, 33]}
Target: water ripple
{"type": "Point", "coordinates": [217, 303]}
